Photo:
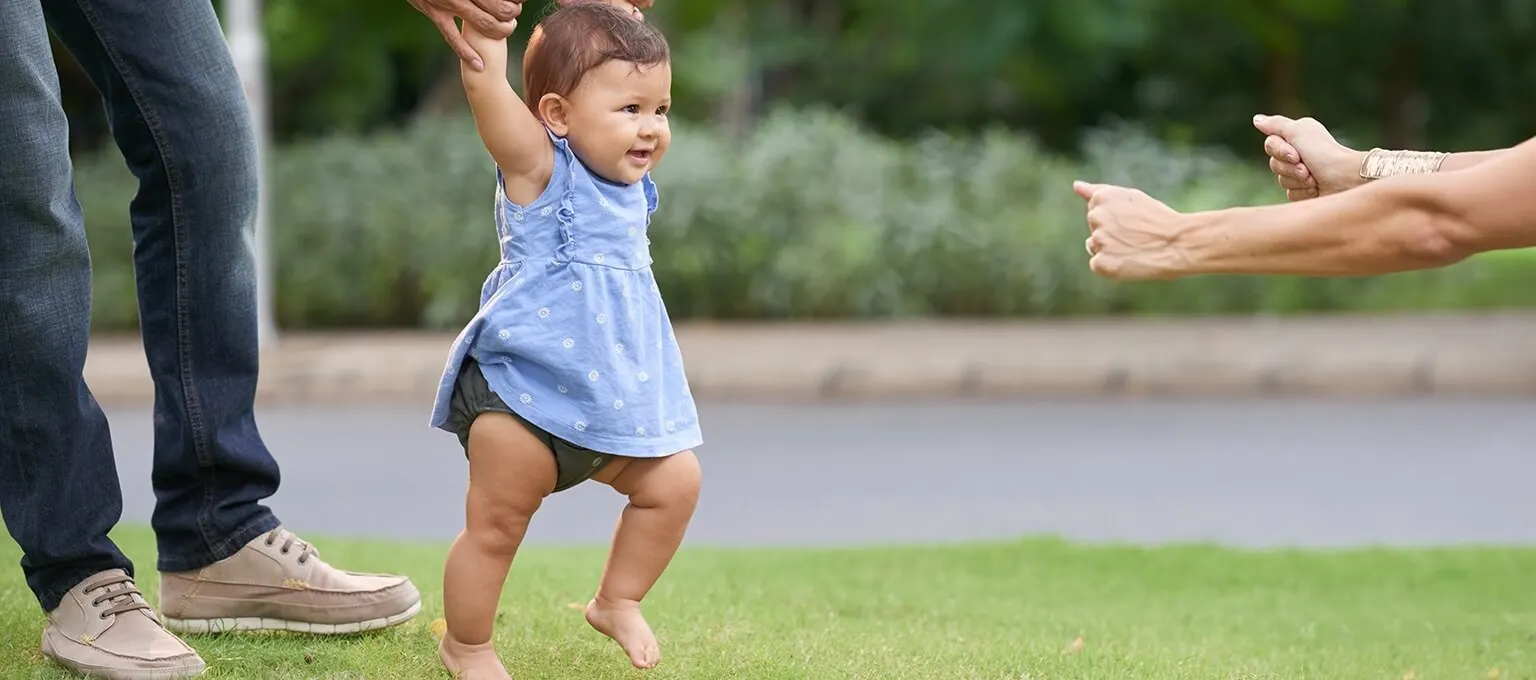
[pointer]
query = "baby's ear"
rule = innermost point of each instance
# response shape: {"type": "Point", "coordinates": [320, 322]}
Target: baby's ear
{"type": "Point", "coordinates": [555, 111]}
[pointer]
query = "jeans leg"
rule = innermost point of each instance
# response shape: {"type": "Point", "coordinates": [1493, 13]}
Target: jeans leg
{"type": "Point", "coordinates": [179, 115]}
{"type": "Point", "coordinates": [59, 489]}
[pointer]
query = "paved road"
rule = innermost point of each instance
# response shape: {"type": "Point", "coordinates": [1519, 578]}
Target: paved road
{"type": "Point", "coordinates": [1253, 473]}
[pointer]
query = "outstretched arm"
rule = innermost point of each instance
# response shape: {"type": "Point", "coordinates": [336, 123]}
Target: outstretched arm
{"type": "Point", "coordinates": [1308, 162]}
{"type": "Point", "coordinates": [1393, 225]}
{"type": "Point", "coordinates": [515, 139]}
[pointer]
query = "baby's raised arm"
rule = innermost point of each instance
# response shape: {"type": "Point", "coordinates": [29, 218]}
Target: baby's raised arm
{"type": "Point", "coordinates": [515, 139]}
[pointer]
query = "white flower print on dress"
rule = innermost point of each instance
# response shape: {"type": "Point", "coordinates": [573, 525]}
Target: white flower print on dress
{"type": "Point", "coordinates": [638, 412]}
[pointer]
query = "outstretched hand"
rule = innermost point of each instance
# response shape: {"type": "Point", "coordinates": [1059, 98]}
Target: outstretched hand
{"type": "Point", "coordinates": [1131, 236]}
{"type": "Point", "coordinates": [1307, 161]}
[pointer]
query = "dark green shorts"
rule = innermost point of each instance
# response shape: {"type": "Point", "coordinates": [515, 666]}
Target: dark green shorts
{"type": "Point", "coordinates": [472, 396]}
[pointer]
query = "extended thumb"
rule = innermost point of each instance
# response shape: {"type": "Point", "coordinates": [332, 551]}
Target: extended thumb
{"type": "Point", "coordinates": [1086, 190]}
{"type": "Point", "coordinates": [1273, 125]}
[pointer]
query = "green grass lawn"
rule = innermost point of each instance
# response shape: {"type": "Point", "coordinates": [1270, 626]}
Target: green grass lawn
{"type": "Point", "coordinates": [996, 611]}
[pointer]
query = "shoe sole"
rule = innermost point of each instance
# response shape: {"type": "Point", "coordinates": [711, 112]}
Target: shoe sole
{"type": "Point", "coordinates": [106, 673]}
{"type": "Point", "coordinates": [250, 624]}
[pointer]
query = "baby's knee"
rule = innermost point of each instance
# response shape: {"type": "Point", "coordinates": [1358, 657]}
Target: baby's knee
{"type": "Point", "coordinates": [498, 522]}
{"type": "Point", "coordinates": [674, 480]}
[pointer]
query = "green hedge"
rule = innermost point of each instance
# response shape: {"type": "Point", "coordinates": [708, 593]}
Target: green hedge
{"type": "Point", "coordinates": [809, 217]}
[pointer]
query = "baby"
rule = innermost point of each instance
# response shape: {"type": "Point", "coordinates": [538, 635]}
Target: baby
{"type": "Point", "coordinates": [570, 370]}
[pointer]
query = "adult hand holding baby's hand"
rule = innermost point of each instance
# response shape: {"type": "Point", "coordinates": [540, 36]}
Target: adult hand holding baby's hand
{"type": "Point", "coordinates": [492, 18]}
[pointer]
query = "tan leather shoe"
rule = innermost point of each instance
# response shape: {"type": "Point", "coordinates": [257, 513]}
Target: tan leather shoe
{"type": "Point", "coordinates": [105, 629]}
{"type": "Point", "coordinates": [278, 582]}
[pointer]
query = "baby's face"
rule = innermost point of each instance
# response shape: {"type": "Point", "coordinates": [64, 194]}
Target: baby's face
{"type": "Point", "coordinates": [618, 119]}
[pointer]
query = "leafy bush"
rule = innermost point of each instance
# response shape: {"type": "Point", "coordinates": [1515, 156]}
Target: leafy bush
{"type": "Point", "coordinates": [809, 216]}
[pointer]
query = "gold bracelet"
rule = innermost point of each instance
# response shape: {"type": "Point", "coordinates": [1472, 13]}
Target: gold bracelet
{"type": "Point", "coordinates": [1381, 163]}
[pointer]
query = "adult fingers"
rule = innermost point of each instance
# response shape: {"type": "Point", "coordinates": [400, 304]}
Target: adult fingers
{"type": "Point", "coordinates": [1293, 183]}
{"type": "Point", "coordinates": [1293, 171]}
{"type": "Point", "coordinates": [472, 14]}
{"type": "Point", "coordinates": [500, 10]}
{"type": "Point", "coordinates": [1278, 148]}
{"type": "Point", "coordinates": [1292, 176]}
{"type": "Point", "coordinates": [450, 30]}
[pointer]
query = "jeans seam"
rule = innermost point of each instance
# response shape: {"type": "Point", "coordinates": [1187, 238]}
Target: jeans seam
{"type": "Point", "coordinates": [183, 333]}
{"type": "Point", "coordinates": [22, 433]}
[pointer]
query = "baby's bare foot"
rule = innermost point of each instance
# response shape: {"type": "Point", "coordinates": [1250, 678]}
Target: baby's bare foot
{"type": "Point", "coordinates": [471, 662]}
{"type": "Point", "coordinates": [622, 622]}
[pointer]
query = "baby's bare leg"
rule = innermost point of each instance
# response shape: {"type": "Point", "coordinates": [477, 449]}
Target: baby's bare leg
{"type": "Point", "coordinates": [663, 493]}
{"type": "Point", "coordinates": [510, 472]}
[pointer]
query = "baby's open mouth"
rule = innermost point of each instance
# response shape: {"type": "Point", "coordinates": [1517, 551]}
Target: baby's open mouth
{"type": "Point", "coordinates": [640, 156]}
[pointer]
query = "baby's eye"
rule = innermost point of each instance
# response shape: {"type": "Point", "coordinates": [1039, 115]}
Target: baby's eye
{"type": "Point", "coordinates": [632, 108]}
{"type": "Point", "coordinates": [662, 110]}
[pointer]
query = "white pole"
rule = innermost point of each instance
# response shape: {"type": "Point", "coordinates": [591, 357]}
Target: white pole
{"type": "Point", "coordinates": [247, 46]}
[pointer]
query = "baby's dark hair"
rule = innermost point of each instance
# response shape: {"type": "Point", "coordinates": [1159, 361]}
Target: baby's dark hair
{"type": "Point", "coordinates": [581, 36]}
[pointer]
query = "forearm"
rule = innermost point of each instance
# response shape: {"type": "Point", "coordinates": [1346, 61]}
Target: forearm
{"type": "Point", "coordinates": [486, 89]}
{"type": "Point", "coordinates": [1401, 224]}
{"type": "Point", "coordinates": [514, 137]}
{"type": "Point", "coordinates": [1383, 164]}
{"type": "Point", "coordinates": [1467, 159]}
{"type": "Point", "coordinates": [494, 53]}
{"type": "Point", "coordinates": [1380, 228]}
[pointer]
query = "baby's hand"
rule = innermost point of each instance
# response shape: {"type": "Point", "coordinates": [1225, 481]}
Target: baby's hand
{"type": "Point", "coordinates": [473, 34]}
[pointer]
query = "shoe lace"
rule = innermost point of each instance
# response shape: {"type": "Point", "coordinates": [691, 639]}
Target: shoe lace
{"type": "Point", "coordinates": [290, 543]}
{"type": "Point", "coordinates": [117, 589]}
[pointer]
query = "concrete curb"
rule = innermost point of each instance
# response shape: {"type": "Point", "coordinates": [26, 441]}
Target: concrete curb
{"type": "Point", "coordinates": [1394, 355]}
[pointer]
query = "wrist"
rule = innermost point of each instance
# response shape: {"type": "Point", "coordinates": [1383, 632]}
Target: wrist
{"type": "Point", "coordinates": [1192, 249]}
{"type": "Point", "coordinates": [1356, 178]}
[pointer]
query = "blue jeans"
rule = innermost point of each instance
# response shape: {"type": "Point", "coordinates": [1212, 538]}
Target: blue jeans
{"type": "Point", "coordinates": [178, 113]}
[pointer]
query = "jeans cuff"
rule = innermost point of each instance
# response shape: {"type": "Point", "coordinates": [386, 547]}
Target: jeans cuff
{"type": "Point", "coordinates": [221, 549]}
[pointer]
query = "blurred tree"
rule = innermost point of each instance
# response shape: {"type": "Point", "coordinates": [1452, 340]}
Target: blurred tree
{"type": "Point", "coordinates": [1394, 72]}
